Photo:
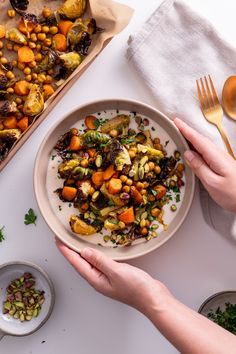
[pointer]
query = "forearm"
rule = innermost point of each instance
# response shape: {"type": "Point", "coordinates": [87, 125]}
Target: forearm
{"type": "Point", "coordinates": [188, 331]}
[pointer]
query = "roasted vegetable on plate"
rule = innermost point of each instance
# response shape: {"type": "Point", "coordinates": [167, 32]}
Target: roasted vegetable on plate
{"type": "Point", "coordinates": [117, 178]}
{"type": "Point", "coordinates": [38, 53]}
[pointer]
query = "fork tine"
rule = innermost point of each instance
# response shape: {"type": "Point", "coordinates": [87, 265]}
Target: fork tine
{"type": "Point", "coordinates": [201, 100]}
{"type": "Point", "coordinates": [210, 98]}
{"type": "Point", "coordinates": [215, 98]}
{"type": "Point", "coordinates": [204, 94]}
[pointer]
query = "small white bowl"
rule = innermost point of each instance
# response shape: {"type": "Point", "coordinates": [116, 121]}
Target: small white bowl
{"type": "Point", "coordinates": [10, 271]}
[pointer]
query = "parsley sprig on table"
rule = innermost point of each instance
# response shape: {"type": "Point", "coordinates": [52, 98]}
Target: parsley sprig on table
{"type": "Point", "coordinates": [2, 234]}
{"type": "Point", "coordinates": [30, 217]}
{"type": "Point", "coordinates": [226, 318]}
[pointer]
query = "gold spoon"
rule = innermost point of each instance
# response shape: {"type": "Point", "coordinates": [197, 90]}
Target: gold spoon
{"type": "Point", "coordinates": [229, 97]}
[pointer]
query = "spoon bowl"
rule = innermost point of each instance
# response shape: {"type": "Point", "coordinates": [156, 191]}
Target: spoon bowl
{"type": "Point", "coordinates": [229, 97]}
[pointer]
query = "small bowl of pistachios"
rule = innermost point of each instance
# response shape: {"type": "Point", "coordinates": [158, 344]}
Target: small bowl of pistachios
{"type": "Point", "coordinates": [26, 298]}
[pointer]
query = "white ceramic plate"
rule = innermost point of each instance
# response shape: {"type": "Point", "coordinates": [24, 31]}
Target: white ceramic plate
{"type": "Point", "coordinates": [56, 214]}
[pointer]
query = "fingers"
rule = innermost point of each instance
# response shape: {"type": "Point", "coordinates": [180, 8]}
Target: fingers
{"type": "Point", "coordinates": [200, 168]}
{"type": "Point", "coordinates": [81, 265]}
{"type": "Point", "coordinates": [216, 159]}
{"type": "Point", "coordinates": [99, 260]}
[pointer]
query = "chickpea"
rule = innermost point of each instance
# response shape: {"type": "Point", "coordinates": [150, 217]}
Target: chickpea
{"type": "Point", "coordinates": [140, 185]}
{"type": "Point", "coordinates": [180, 167]}
{"type": "Point", "coordinates": [143, 191]}
{"type": "Point", "coordinates": [11, 13]}
{"type": "Point", "coordinates": [18, 100]}
{"type": "Point", "coordinates": [47, 42]}
{"type": "Point", "coordinates": [37, 28]}
{"type": "Point", "coordinates": [132, 154]}
{"type": "Point", "coordinates": [113, 133]}
{"type": "Point", "coordinates": [129, 182]}
{"type": "Point", "coordinates": [33, 37]}
{"type": "Point", "coordinates": [134, 149]}
{"type": "Point", "coordinates": [41, 36]}
{"type": "Point", "coordinates": [10, 90]}
{"type": "Point", "coordinates": [21, 66]}
{"type": "Point", "coordinates": [14, 63]}
{"type": "Point", "coordinates": [32, 45]}
{"type": "Point", "coordinates": [34, 76]}
{"type": "Point", "coordinates": [126, 189]}
{"type": "Point", "coordinates": [53, 30]}
{"type": "Point", "coordinates": [41, 77]}
{"type": "Point", "coordinates": [148, 223]}
{"type": "Point", "coordinates": [27, 71]}
{"type": "Point", "coordinates": [155, 212]}
{"type": "Point", "coordinates": [144, 231]}
{"type": "Point", "coordinates": [32, 64]}
{"type": "Point", "coordinates": [20, 107]}
{"type": "Point", "coordinates": [28, 78]}
{"type": "Point", "coordinates": [46, 12]}
{"type": "Point", "coordinates": [38, 57]}
{"type": "Point", "coordinates": [1, 53]}
{"type": "Point", "coordinates": [38, 46]}
{"type": "Point", "coordinates": [123, 178]}
{"type": "Point", "coordinates": [84, 163]}
{"type": "Point", "coordinates": [121, 224]}
{"type": "Point", "coordinates": [156, 141]}
{"type": "Point", "coordinates": [10, 75]}
{"type": "Point", "coordinates": [9, 46]}
{"type": "Point", "coordinates": [151, 165]}
{"type": "Point", "coordinates": [4, 60]}
{"type": "Point", "coordinates": [157, 169]}
{"type": "Point", "coordinates": [151, 198]}
{"type": "Point", "coordinates": [1, 44]}
{"type": "Point", "coordinates": [45, 29]}
{"type": "Point", "coordinates": [48, 79]}
{"type": "Point", "coordinates": [158, 146]}
{"type": "Point", "coordinates": [143, 223]}
{"type": "Point", "coordinates": [74, 131]}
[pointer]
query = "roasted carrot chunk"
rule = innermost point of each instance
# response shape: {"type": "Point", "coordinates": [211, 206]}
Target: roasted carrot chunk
{"type": "Point", "coordinates": [90, 122]}
{"type": "Point", "coordinates": [69, 193]}
{"type": "Point", "coordinates": [109, 172]}
{"type": "Point", "coordinates": [25, 54]}
{"type": "Point", "coordinates": [23, 123]}
{"type": "Point", "coordinates": [127, 216]}
{"type": "Point", "coordinates": [75, 143]}
{"type": "Point", "coordinates": [114, 186]}
{"type": "Point", "coordinates": [97, 178]}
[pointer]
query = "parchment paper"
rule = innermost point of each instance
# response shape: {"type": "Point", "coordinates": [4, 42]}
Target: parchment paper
{"type": "Point", "coordinates": [109, 15]}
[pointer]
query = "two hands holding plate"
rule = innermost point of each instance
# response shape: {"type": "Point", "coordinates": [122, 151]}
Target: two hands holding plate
{"type": "Point", "coordinates": [187, 330]}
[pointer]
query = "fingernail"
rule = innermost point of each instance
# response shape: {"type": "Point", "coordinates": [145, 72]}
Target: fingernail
{"type": "Point", "coordinates": [188, 155]}
{"type": "Point", "coordinates": [87, 252]}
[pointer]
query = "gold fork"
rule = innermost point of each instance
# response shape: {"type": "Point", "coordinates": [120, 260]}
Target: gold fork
{"type": "Point", "coordinates": [211, 107]}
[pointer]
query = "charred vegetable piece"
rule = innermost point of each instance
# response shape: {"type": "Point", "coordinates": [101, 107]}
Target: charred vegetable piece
{"type": "Point", "coordinates": [150, 151]}
{"type": "Point", "coordinates": [119, 155]}
{"type": "Point", "coordinates": [7, 138]}
{"type": "Point", "coordinates": [72, 9]}
{"type": "Point", "coordinates": [80, 35]}
{"type": "Point", "coordinates": [19, 5]}
{"type": "Point", "coordinates": [3, 82]}
{"type": "Point", "coordinates": [115, 198]}
{"type": "Point", "coordinates": [14, 35]}
{"type": "Point", "coordinates": [7, 107]}
{"type": "Point", "coordinates": [118, 123]}
{"type": "Point", "coordinates": [80, 173]}
{"type": "Point", "coordinates": [71, 60]}
{"type": "Point", "coordinates": [48, 61]}
{"type": "Point", "coordinates": [34, 103]}
{"type": "Point", "coordinates": [92, 138]}
{"type": "Point", "coordinates": [81, 227]}
{"type": "Point", "coordinates": [65, 168]}
{"type": "Point", "coordinates": [141, 138]}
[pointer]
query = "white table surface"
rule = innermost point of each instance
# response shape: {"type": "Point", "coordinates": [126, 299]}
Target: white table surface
{"type": "Point", "coordinates": [194, 264]}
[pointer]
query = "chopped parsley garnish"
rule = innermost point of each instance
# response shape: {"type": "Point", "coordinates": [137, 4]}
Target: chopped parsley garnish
{"type": "Point", "coordinates": [110, 202]}
{"type": "Point", "coordinates": [225, 318]}
{"type": "Point", "coordinates": [2, 237]}
{"type": "Point", "coordinates": [177, 198]}
{"type": "Point", "coordinates": [53, 157]}
{"type": "Point", "coordinates": [175, 189]}
{"type": "Point", "coordinates": [30, 217]}
{"type": "Point", "coordinates": [127, 141]}
{"type": "Point", "coordinates": [69, 205]}
{"type": "Point", "coordinates": [59, 207]}
{"type": "Point", "coordinates": [153, 129]}
{"type": "Point", "coordinates": [154, 192]}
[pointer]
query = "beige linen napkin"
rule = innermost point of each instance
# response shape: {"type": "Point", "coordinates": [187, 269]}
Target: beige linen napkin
{"type": "Point", "coordinates": [173, 48]}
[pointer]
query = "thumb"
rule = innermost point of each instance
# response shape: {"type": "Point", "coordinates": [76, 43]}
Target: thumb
{"type": "Point", "coordinates": [200, 168]}
{"type": "Point", "coordinates": [99, 260]}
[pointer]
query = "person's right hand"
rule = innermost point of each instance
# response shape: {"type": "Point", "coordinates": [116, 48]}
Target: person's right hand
{"type": "Point", "coordinates": [215, 168]}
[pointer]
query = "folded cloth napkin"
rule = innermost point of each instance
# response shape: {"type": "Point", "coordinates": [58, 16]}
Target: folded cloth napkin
{"type": "Point", "coordinates": [173, 48]}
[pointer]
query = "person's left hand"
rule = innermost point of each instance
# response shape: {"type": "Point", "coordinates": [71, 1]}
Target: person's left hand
{"type": "Point", "coordinates": [119, 281]}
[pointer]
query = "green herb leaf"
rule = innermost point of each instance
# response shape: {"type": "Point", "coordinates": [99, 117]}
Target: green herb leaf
{"type": "Point", "coordinates": [166, 143]}
{"type": "Point", "coordinates": [111, 203]}
{"type": "Point", "coordinates": [177, 198]}
{"type": "Point", "coordinates": [30, 217]}
{"type": "Point", "coordinates": [154, 192]}
{"type": "Point", "coordinates": [176, 189]}
{"type": "Point", "coordinates": [2, 234]}
{"type": "Point", "coordinates": [127, 141]}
